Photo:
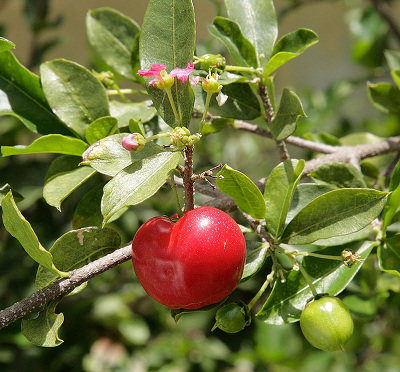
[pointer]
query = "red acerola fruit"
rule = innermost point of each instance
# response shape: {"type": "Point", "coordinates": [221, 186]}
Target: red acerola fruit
{"type": "Point", "coordinates": [194, 262]}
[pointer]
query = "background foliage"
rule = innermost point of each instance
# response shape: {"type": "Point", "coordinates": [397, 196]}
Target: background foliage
{"type": "Point", "coordinates": [113, 325]}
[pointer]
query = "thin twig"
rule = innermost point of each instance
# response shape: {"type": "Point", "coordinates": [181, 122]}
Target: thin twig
{"type": "Point", "coordinates": [188, 182]}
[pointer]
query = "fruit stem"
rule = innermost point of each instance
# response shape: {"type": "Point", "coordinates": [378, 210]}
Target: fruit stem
{"type": "Point", "coordinates": [176, 197]}
{"type": "Point", "coordinates": [188, 182]}
{"type": "Point", "coordinates": [308, 280]}
{"type": "Point", "coordinates": [270, 278]}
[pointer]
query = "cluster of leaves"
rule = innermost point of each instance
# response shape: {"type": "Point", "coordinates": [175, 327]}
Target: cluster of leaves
{"type": "Point", "coordinates": [69, 107]}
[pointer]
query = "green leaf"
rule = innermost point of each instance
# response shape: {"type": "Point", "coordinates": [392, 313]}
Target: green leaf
{"type": "Point", "coordinates": [88, 210]}
{"type": "Point", "coordinates": [15, 223]}
{"type": "Point", "coordinates": [290, 111]}
{"type": "Point", "coordinates": [5, 189]}
{"type": "Point", "coordinates": [258, 22]}
{"type": "Point", "coordinates": [339, 175]}
{"type": "Point", "coordinates": [5, 44]}
{"type": "Point", "coordinates": [51, 143]}
{"type": "Point", "coordinates": [241, 104]}
{"type": "Point", "coordinates": [338, 212]}
{"type": "Point", "coordinates": [256, 254]}
{"type": "Point", "coordinates": [229, 33]}
{"type": "Point", "coordinates": [64, 176]}
{"type": "Point", "coordinates": [287, 300]}
{"type": "Point", "coordinates": [289, 47]}
{"type": "Point", "coordinates": [113, 36]}
{"type": "Point", "coordinates": [389, 255]}
{"type": "Point", "coordinates": [246, 194]}
{"type": "Point", "coordinates": [278, 194]}
{"type": "Point", "coordinates": [143, 111]}
{"type": "Point", "coordinates": [137, 182]}
{"type": "Point", "coordinates": [101, 128]}
{"type": "Point", "coordinates": [393, 60]}
{"type": "Point", "coordinates": [394, 198]}
{"type": "Point", "coordinates": [168, 37]}
{"type": "Point", "coordinates": [21, 95]}
{"type": "Point", "coordinates": [74, 93]}
{"type": "Point", "coordinates": [108, 156]}
{"type": "Point", "coordinates": [385, 97]}
{"type": "Point", "coordinates": [43, 330]}
{"type": "Point", "coordinates": [77, 248]}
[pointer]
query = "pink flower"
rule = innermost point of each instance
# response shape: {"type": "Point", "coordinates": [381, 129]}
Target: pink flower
{"type": "Point", "coordinates": [155, 71]}
{"type": "Point", "coordinates": [133, 142]}
{"type": "Point", "coordinates": [183, 74]}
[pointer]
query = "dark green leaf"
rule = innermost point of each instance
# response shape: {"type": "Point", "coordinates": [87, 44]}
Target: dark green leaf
{"type": "Point", "coordinates": [289, 47]}
{"type": "Point", "coordinates": [339, 175]}
{"type": "Point", "coordinates": [137, 182]}
{"type": "Point", "coordinates": [246, 194]}
{"type": "Point", "coordinates": [278, 194]}
{"type": "Point", "coordinates": [394, 198]}
{"type": "Point", "coordinates": [288, 299]}
{"type": "Point", "coordinates": [74, 93]}
{"type": "Point", "coordinates": [112, 35]}
{"type": "Point", "coordinates": [290, 111]}
{"type": "Point", "coordinates": [21, 229]}
{"type": "Point", "coordinates": [77, 248]}
{"type": "Point", "coordinates": [168, 37]}
{"type": "Point", "coordinates": [338, 212]}
{"type": "Point", "coordinates": [256, 253]}
{"type": "Point", "coordinates": [101, 128]}
{"type": "Point", "coordinates": [389, 255]}
{"type": "Point", "coordinates": [258, 22]}
{"type": "Point", "coordinates": [229, 33]}
{"type": "Point", "coordinates": [51, 143]}
{"type": "Point", "coordinates": [63, 177]}
{"type": "Point", "coordinates": [21, 95]}
{"type": "Point", "coordinates": [88, 211]}
{"type": "Point", "coordinates": [5, 44]}
{"type": "Point", "coordinates": [4, 190]}
{"type": "Point", "coordinates": [385, 97]}
{"type": "Point", "coordinates": [43, 330]}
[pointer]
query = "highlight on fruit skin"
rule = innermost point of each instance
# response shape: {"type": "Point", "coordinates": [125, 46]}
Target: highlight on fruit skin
{"type": "Point", "coordinates": [326, 323]}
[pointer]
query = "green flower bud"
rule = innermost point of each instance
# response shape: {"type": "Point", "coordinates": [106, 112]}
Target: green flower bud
{"type": "Point", "coordinates": [180, 137]}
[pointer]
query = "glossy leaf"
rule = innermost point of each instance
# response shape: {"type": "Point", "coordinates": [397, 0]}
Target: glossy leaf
{"type": "Point", "coordinates": [385, 97]}
{"type": "Point", "coordinates": [108, 156]}
{"type": "Point", "coordinates": [113, 36]}
{"type": "Point", "coordinates": [338, 212]}
{"type": "Point", "coordinates": [51, 143]}
{"type": "Point", "coordinates": [246, 194]}
{"type": "Point", "coordinates": [143, 111]}
{"type": "Point", "coordinates": [258, 22]}
{"type": "Point", "coordinates": [256, 253]}
{"type": "Point", "coordinates": [290, 111]}
{"type": "Point", "coordinates": [43, 330]}
{"type": "Point", "coordinates": [394, 198]}
{"type": "Point", "coordinates": [289, 47]}
{"type": "Point", "coordinates": [64, 176]}
{"type": "Point", "coordinates": [278, 194]}
{"type": "Point", "coordinates": [5, 189]}
{"type": "Point", "coordinates": [287, 300]}
{"type": "Point", "coordinates": [88, 210]}
{"type": "Point", "coordinates": [101, 128]}
{"type": "Point", "coordinates": [74, 93]}
{"type": "Point", "coordinates": [5, 44]}
{"type": "Point", "coordinates": [241, 104]}
{"type": "Point", "coordinates": [168, 36]}
{"type": "Point", "coordinates": [21, 95]}
{"type": "Point", "coordinates": [77, 248]}
{"type": "Point", "coordinates": [16, 224]}
{"type": "Point", "coordinates": [137, 182]}
{"type": "Point", "coordinates": [338, 175]}
{"type": "Point", "coordinates": [389, 255]}
{"type": "Point", "coordinates": [229, 33]}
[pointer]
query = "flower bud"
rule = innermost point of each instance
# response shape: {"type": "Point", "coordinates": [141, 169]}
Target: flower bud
{"type": "Point", "coordinates": [133, 142]}
{"type": "Point", "coordinates": [180, 137]}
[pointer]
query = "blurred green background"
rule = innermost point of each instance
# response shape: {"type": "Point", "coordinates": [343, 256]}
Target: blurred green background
{"type": "Point", "coordinates": [113, 325]}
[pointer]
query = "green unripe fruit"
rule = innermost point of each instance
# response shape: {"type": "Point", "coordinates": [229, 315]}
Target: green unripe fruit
{"type": "Point", "coordinates": [232, 318]}
{"type": "Point", "coordinates": [326, 323]}
{"type": "Point", "coordinates": [212, 61]}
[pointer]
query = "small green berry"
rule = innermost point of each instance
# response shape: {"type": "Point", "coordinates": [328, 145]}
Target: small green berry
{"type": "Point", "coordinates": [232, 318]}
